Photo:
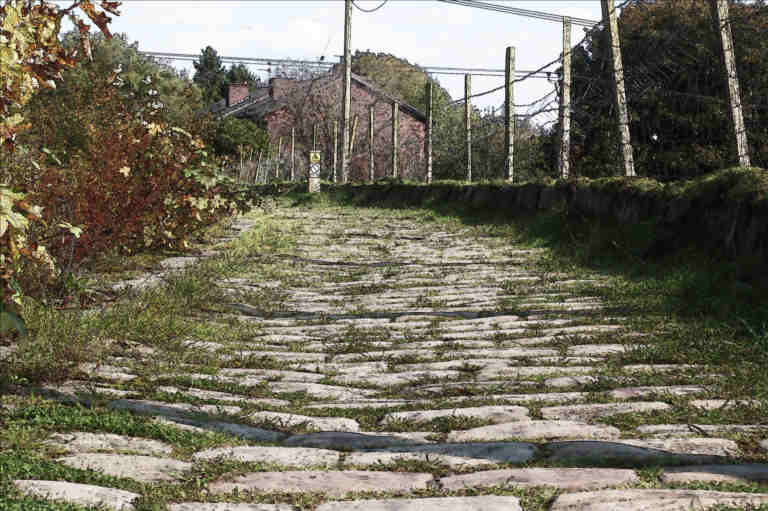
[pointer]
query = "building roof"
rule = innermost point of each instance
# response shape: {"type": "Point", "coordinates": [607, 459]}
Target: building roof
{"type": "Point", "coordinates": [260, 103]}
{"type": "Point", "coordinates": [220, 108]}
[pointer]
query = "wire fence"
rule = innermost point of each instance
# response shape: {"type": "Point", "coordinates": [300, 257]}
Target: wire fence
{"type": "Point", "coordinates": [679, 99]}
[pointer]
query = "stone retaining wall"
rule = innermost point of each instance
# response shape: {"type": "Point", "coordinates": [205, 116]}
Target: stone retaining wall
{"type": "Point", "coordinates": [727, 211]}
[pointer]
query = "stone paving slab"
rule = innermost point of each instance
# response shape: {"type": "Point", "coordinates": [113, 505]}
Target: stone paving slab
{"type": "Point", "coordinates": [146, 469]}
{"type": "Point", "coordinates": [653, 500]}
{"type": "Point", "coordinates": [106, 372]}
{"type": "Point", "coordinates": [674, 390]}
{"type": "Point", "coordinates": [710, 446]}
{"type": "Point", "coordinates": [287, 456]}
{"type": "Point", "coordinates": [562, 478]}
{"type": "Point", "coordinates": [551, 397]}
{"type": "Point", "coordinates": [367, 459]}
{"type": "Point", "coordinates": [225, 506]}
{"type": "Point", "coordinates": [282, 375]}
{"type": "Point", "coordinates": [497, 414]}
{"type": "Point", "coordinates": [290, 356]}
{"type": "Point", "coordinates": [478, 503]}
{"type": "Point", "coordinates": [239, 430]}
{"type": "Point", "coordinates": [81, 494]}
{"type": "Point", "coordinates": [368, 403]}
{"type": "Point", "coordinates": [400, 378]}
{"type": "Point", "coordinates": [718, 404]}
{"type": "Point", "coordinates": [79, 391]}
{"type": "Point", "coordinates": [81, 442]}
{"type": "Point", "coordinates": [320, 390]}
{"type": "Point", "coordinates": [161, 408]}
{"type": "Point", "coordinates": [223, 396]}
{"type": "Point", "coordinates": [536, 430]}
{"type": "Point", "coordinates": [332, 483]}
{"type": "Point", "coordinates": [744, 473]}
{"type": "Point", "coordinates": [593, 411]}
{"type": "Point", "coordinates": [681, 430]}
{"type": "Point", "coordinates": [493, 452]}
{"type": "Point", "coordinates": [529, 371]}
{"type": "Point", "coordinates": [286, 420]}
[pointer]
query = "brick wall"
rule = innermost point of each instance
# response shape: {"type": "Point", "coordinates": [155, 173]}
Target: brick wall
{"type": "Point", "coordinates": [323, 105]}
{"type": "Point", "coordinates": [236, 93]}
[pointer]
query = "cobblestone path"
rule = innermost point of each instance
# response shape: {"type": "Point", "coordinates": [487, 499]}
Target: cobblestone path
{"type": "Point", "coordinates": [421, 366]}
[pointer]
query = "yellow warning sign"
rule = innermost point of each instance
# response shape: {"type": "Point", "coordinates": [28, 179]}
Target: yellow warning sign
{"type": "Point", "coordinates": [314, 156]}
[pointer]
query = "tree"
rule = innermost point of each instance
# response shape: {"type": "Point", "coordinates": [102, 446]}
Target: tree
{"type": "Point", "coordinates": [238, 73]}
{"type": "Point", "coordinates": [676, 88]}
{"type": "Point", "coordinates": [296, 71]}
{"type": "Point", "coordinates": [234, 137]}
{"type": "Point", "coordinates": [30, 55]}
{"type": "Point", "coordinates": [210, 75]}
{"type": "Point", "coordinates": [139, 75]}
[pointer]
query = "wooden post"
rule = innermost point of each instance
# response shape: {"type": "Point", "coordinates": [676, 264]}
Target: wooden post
{"type": "Point", "coordinates": [720, 9]}
{"type": "Point", "coordinates": [352, 137]}
{"type": "Point", "coordinates": [370, 144]}
{"type": "Point", "coordinates": [609, 16]}
{"type": "Point", "coordinates": [314, 137]}
{"type": "Point", "coordinates": [565, 103]}
{"type": "Point", "coordinates": [395, 133]}
{"type": "Point", "coordinates": [335, 148]}
{"type": "Point", "coordinates": [428, 137]}
{"type": "Point", "coordinates": [468, 123]}
{"type": "Point", "coordinates": [279, 153]}
{"type": "Point", "coordinates": [509, 113]}
{"type": "Point", "coordinates": [258, 167]}
{"type": "Point", "coordinates": [293, 154]}
{"type": "Point", "coordinates": [347, 96]}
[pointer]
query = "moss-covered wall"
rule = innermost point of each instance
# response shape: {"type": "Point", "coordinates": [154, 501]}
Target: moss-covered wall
{"type": "Point", "coordinates": [725, 211]}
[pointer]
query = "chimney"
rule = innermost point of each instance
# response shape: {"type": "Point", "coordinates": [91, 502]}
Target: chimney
{"type": "Point", "coordinates": [279, 87]}
{"type": "Point", "coordinates": [237, 93]}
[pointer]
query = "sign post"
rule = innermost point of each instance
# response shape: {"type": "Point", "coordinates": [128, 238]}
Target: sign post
{"type": "Point", "coordinates": [314, 171]}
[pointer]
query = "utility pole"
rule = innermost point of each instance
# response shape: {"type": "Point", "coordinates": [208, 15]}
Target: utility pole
{"type": "Point", "coordinates": [347, 96]}
{"type": "Point", "coordinates": [293, 154]}
{"type": "Point", "coordinates": [428, 137]}
{"type": "Point", "coordinates": [395, 133]}
{"type": "Point", "coordinates": [468, 123]}
{"type": "Point", "coordinates": [370, 143]}
{"type": "Point", "coordinates": [612, 24]}
{"type": "Point", "coordinates": [335, 149]}
{"type": "Point", "coordinates": [565, 103]}
{"type": "Point", "coordinates": [352, 137]}
{"type": "Point", "coordinates": [720, 10]}
{"type": "Point", "coordinates": [509, 113]}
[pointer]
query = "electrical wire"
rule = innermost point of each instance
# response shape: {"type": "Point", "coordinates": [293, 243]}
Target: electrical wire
{"type": "Point", "coordinates": [370, 10]}
{"type": "Point", "coordinates": [522, 12]}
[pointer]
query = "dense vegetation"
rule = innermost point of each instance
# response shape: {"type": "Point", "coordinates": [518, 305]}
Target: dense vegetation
{"type": "Point", "coordinates": [676, 88]}
{"type": "Point", "coordinates": [110, 158]}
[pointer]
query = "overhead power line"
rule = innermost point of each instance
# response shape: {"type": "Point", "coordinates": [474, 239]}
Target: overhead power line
{"type": "Point", "coordinates": [370, 10]}
{"type": "Point", "coordinates": [521, 12]}
{"type": "Point", "coordinates": [327, 65]}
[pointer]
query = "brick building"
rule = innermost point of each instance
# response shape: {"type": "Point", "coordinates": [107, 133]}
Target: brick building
{"type": "Point", "coordinates": [304, 104]}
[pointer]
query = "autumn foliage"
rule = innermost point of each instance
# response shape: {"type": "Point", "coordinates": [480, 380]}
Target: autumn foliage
{"type": "Point", "coordinates": [134, 180]}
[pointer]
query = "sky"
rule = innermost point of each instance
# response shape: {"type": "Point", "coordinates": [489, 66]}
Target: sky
{"type": "Point", "coordinates": [425, 32]}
